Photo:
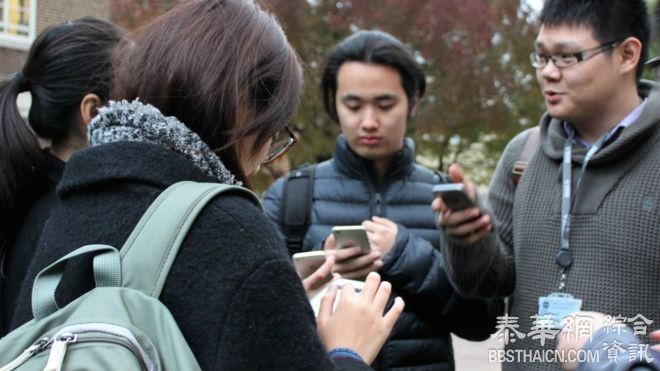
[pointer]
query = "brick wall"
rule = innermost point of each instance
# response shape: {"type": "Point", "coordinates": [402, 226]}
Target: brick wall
{"type": "Point", "coordinates": [10, 61]}
{"type": "Point", "coordinates": [51, 12]}
{"type": "Point", "coordinates": [55, 11]}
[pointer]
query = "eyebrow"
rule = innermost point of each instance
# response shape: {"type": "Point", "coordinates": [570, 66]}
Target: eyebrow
{"type": "Point", "coordinates": [382, 97]}
{"type": "Point", "coordinates": [559, 46]}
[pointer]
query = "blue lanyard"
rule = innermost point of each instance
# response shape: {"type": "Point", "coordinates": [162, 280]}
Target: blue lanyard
{"type": "Point", "coordinates": [564, 258]}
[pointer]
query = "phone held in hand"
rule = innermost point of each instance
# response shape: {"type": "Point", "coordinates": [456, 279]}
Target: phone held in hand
{"type": "Point", "coordinates": [316, 300]}
{"type": "Point", "coordinates": [351, 235]}
{"type": "Point", "coordinates": [308, 262]}
{"type": "Point", "coordinates": [453, 195]}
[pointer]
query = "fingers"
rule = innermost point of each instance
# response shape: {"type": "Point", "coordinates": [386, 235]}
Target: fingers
{"type": "Point", "coordinates": [456, 174]}
{"type": "Point", "coordinates": [382, 295]}
{"type": "Point", "coordinates": [453, 219]}
{"type": "Point", "coordinates": [655, 335]}
{"type": "Point", "coordinates": [325, 309]}
{"type": "Point", "coordinates": [393, 314]}
{"type": "Point", "coordinates": [319, 277]}
{"type": "Point", "coordinates": [438, 206]}
{"type": "Point", "coordinates": [346, 254]}
{"type": "Point", "coordinates": [329, 243]}
{"type": "Point", "coordinates": [371, 286]}
{"type": "Point", "coordinates": [377, 293]}
{"type": "Point", "coordinates": [369, 262]}
{"type": "Point", "coordinates": [478, 235]}
{"type": "Point", "coordinates": [326, 269]}
{"type": "Point", "coordinates": [466, 223]}
{"type": "Point", "coordinates": [359, 274]}
{"type": "Point", "coordinates": [471, 189]}
{"type": "Point", "coordinates": [377, 220]}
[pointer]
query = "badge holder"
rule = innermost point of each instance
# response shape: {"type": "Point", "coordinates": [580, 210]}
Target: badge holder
{"type": "Point", "coordinates": [558, 305]}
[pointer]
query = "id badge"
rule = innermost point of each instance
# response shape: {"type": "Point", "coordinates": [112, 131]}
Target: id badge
{"type": "Point", "coordinates": [559, 306]}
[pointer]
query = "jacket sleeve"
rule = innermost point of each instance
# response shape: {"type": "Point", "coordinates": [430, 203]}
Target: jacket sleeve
{"type": "Point", "coordinates": [417, 270]}
{"type": "Point", "coordinates": [274, 328]}
{"type": "Point", "coordinates": [487, 269]}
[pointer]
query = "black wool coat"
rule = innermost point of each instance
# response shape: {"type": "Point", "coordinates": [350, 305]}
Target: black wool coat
{"type": "Point", "coordinates": [232, 288]}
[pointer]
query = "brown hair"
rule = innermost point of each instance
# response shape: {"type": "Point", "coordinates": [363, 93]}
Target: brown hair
{"type": "Point", "coordinates": [223, 67]}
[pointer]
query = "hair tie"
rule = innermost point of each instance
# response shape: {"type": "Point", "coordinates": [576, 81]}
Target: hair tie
{"type": "Point", "coordinates": [21, 83]}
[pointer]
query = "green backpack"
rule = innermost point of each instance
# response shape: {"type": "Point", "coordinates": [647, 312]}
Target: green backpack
{"type": "Point", "coordinates": [120, 324]}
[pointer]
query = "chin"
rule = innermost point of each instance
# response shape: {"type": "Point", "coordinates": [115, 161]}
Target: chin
{"type": "Point", "coordinates": [558, 113]}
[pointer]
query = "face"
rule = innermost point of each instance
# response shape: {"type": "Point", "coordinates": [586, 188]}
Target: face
{"type": "Point", "coordinates": [372, 108]}
{"type": "Point", "coordinates": [577, 92]}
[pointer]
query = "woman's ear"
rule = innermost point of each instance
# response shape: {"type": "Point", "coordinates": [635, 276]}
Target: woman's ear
{"type": "Point", "coordinates": [89, 106]}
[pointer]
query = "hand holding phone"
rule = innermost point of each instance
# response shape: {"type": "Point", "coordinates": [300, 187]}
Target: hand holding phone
{"type": "Point", "coordinates": [453, 195]}
{"type": "Point", "coordinates": [308, 262]}
{"type": "Point", "coordinates": [315, 270]}
{"type": "Point", "coordinates": [351, 235]}
{"type": "Point", "coordinates": [315, 301]}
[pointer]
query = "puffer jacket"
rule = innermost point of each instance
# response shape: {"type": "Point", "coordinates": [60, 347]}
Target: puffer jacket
{"type": "Point", "coordinates": [346, 192]}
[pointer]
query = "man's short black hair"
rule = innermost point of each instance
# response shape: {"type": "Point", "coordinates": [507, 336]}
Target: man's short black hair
{"type": "Point", "coordinates": [610, 20]}
{"type": "Point", "coordinates": [374, 47]}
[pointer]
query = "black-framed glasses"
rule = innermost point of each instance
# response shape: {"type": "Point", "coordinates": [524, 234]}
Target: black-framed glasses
{"type": "Point", "coordinates": [565, 60]}
{"type": "Point", "coordinates": [282, 141]}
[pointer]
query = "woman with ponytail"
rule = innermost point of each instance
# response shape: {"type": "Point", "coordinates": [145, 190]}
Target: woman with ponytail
{"type": "Point", "coordinates": [67, 73]}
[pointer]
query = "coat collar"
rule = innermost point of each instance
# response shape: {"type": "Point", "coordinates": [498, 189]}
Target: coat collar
{"type": "Point", "coordinates": [127, 162]}
{"type": "Point", "coordinates": [352, 165]}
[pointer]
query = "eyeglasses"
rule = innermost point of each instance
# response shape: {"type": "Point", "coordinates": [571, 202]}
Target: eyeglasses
{"type": "Point", "coordinates": [281, 142]}
{"type": "Point", "coordinates": [565, 60]}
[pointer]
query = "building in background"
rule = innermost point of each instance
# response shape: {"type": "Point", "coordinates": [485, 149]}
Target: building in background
{"type": "Point", "coordinates": [22, 20]}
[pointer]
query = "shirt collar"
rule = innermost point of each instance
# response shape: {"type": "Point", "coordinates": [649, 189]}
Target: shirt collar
{"type": "Point", "coordinates": [612, 133]}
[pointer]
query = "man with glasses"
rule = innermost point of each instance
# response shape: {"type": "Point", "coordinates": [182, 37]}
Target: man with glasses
{"type": "Point", "coordinates": [371, 86]}
{"type": "Point", "coordinates": [581, 229]}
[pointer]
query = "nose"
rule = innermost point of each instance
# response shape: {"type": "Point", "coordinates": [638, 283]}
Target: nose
{"type": "Point", "coordinates": [550, 71]}
{"type": "Point", "coordinates": [369, 119]}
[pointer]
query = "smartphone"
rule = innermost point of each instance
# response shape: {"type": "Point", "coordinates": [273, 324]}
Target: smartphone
{"type": "Point", "coordinates": [453, 195]}
{"type": "Point", "coordinates": [316, 300]}
{"type": "Point", "coordinates": [351, 235]}
{"type": "Point", "coordinates": [308, 262]}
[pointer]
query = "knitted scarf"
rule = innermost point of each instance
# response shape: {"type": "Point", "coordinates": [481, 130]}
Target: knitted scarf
{"type": "Point", "coordinates": [138, 122]}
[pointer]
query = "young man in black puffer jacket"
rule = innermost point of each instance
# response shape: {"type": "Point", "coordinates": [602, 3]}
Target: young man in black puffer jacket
{"type": "Point", "coordinates": [371, 87]}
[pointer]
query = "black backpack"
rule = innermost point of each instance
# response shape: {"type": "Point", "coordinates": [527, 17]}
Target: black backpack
{"type": "Point", "coordinates": [297, 199]}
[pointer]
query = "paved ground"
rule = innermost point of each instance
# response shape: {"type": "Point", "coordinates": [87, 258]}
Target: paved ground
{"type": "Point", "coordinates": [473, 356]}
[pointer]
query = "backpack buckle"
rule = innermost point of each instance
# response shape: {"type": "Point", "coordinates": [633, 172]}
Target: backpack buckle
{"type": "Point", "coordinates": [519, 167]}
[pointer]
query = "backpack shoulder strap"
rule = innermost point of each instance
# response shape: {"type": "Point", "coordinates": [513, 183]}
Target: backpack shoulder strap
{"type": "Point", "coordinates": [297, 199]}
{"type": "Point", "coordinates": [531, 144]}
{"type": "Point", "coordinates": [150, 250]}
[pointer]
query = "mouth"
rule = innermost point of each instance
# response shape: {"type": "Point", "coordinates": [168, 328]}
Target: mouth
{"type": "Point", "coordinates": [552, 96]}
{"type": "Point", "coordinates": [369, 140]}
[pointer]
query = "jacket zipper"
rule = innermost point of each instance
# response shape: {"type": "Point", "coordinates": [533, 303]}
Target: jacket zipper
{"type": "Point", "coordinates": [379, 204]}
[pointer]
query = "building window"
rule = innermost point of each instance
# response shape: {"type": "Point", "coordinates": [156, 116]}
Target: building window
{"type": "Point", "coordinates": [18, 20]}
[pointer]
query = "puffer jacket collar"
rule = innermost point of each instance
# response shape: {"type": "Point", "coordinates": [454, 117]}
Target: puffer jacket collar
{"type": "Point", "coordinates": [352, 165]}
